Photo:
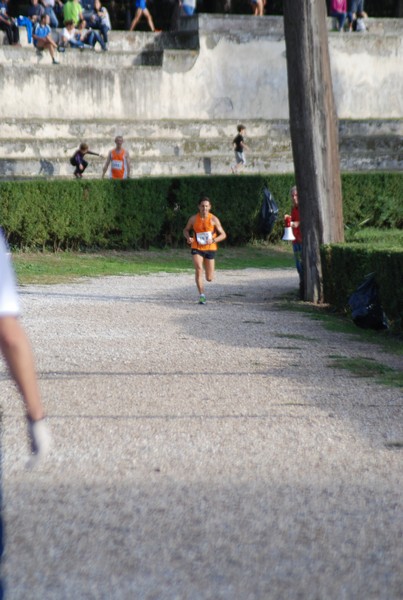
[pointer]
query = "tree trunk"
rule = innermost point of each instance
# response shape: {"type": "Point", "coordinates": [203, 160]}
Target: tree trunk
{"type": "Point", "coordinates": [314, 135]}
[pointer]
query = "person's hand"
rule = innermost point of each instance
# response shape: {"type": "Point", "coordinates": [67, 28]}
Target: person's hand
{"type": "Point", "coordinates": [190, 241]}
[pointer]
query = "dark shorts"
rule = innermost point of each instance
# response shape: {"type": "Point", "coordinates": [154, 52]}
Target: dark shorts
{"type": "Point", "coordinates": [209, 254]}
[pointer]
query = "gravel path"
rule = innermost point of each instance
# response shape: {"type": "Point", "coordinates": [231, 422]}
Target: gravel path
{"type": "Point", "coordinates": [201, 452]}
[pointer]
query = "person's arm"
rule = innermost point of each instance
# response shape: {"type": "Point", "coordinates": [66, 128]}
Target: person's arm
{"type": "Point", "coordinates": [188, 229]}
{"type": "Point", "coordinates": [294, 222]}
{"type": "Point", "coordinates": [127, 156]}
{"type": "Point", "coordinates": [219, 229]}
{"type": "Point", "coordinates": [93, 153]}
{"type": "Point", "coordinates": [106, 165]}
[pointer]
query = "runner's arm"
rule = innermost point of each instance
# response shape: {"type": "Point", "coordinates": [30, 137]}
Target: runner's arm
{"type": "Point", "coordinates": [128, 163]}
{"type": "Point", "coordinates": [188, 229]}
{"type": "Point", "coordinates": [106, 165]}
{"type": "Point", "coordinates": [219, 229]}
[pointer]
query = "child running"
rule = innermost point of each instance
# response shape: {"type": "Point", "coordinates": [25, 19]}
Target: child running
{"type": "Point", "coordinates": [239, 147]}
{"type": "Point", "coordinates": [202, 232]}
{"type": "Point", "coordinates": [77, 160]}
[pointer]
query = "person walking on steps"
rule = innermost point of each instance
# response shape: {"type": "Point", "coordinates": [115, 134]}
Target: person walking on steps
{"type": "Point", "coordinates": [119, 161]}
{"type": "Point", "coordinates": [16, 350]}
{"type": "Point", "coordinates": [202, 232]}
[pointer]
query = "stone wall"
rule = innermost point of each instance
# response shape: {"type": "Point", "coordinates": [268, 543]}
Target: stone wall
{"type": "Point", "coordinates": [177, 98]}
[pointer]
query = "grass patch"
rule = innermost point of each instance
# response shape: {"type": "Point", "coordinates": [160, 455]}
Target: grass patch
{"type": "Point", "coordinates": [366, 367]}
{"type": "Point", "coordinates": [62, 267]}
{"type": "Point", "coordinates": [340, 323]}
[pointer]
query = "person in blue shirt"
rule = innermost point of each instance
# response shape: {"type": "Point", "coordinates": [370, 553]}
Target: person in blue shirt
{"type": "Point", "coordinates": [8, 24]}
{"type": "Point", "coordinates": [42, 37]}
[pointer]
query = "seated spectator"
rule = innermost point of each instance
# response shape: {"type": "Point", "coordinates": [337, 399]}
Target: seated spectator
{"type": "Point", "coordinates": [359, 22]}
{"type": "Point", "coordinates": [88, 8]}
{"type": "Point", "coordinates": [43, 40]}
{"type": "Point", "coordinates": [338, 10]}
{"type": "Point", "coordinates": [50, 9]}
{"type": "Point", "coordinates": [72, 11]}
{"type": "Point", "coordinates": [355, 8]}
{"type": "Point", "coordinates": [100, 20]}
{"type": "Point", "coordinates": [90, 37]}
{"type": "Point", "coordinates": [71, 37]}
{"type": "Point", "coordinates": [35, 11]}
{"type": "Point", "coordinates": [8, 24]}
{"type": "Point", "coordinates": [141, 9]}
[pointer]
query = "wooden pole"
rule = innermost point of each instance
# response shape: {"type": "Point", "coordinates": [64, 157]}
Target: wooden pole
{"type": "Point", "coordinates": [314, 135]}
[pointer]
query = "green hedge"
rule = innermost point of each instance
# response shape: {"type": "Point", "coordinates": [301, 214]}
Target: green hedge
{"type": "Point", "coordinates": [345, 266]}
{"type": "Point", "coordinates": [138, 213]}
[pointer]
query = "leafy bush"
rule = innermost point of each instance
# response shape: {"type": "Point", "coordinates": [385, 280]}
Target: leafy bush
{"type": "Point", "coordinates": [344, 267]}
{"type": "Point", "coordinates": [137, 213]}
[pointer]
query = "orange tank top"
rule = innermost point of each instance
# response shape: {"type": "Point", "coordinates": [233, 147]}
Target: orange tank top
{"type": "Point", "coordinates": [204, 230]}
{"type": "Point", "coordinates": [118, 164]}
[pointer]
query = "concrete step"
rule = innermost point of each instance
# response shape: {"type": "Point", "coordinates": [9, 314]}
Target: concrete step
{"type": "Point", "coordinates": [142, 166]}
{"type": "Point", "coordinates": [186, 164]}
{"type": "Point", "coordinates": [26, 57]}
{"type": "Point", "coordinates": [36, 129]}
{"type": "Point", "coordinates": [31, 148]}
{"type": "Point", "coordinates": [157, 147]}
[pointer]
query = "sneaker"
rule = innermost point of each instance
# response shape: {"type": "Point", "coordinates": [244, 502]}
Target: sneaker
{"type": "Point", "coordinates": [40, 440]}
{"type": "Point", "coordinates": [55, 62]}
{"type": "Point", "coordinates": [202, 299]}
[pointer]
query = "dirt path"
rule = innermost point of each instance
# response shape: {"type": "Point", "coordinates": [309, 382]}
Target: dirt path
{"type": "Point", "coordinates": [201, 452]}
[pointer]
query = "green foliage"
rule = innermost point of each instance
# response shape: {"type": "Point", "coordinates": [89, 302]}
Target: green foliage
{"type": "Point", "coordinates": [344, 267]}
{"type": "Point", "coordinates": [390, 238]}
{"type": "Point", "coordinates": [139, 213]}
{"type": "Point", "coordinates": [372, 198]}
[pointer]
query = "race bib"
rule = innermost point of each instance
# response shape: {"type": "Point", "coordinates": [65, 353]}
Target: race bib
{"type": "Point", "coordinates": [204, 238]}
{"type": "Point", "coordinates": [117, 165]}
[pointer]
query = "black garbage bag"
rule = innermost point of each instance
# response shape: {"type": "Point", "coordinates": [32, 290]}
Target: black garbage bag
{"type": "Point", "coordinates": [268, 212]}
{"type": "Point", "coordinates": [365, 304]}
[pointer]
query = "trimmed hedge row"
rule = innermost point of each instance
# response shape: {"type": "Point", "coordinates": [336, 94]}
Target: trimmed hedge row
{"type": "Point", "coordinates": [345, 266]}
{"type": "Point", "coordinates": [138, 213]}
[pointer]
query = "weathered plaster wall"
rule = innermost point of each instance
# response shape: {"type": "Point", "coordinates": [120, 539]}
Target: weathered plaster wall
{"type": "Point", "coordinates": [237, 74]}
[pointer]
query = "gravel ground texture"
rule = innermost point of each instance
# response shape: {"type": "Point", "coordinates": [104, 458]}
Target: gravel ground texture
{"type": "Point", "coordinates": [200, 452]}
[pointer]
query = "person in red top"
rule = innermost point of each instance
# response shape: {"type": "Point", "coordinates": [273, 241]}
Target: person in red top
{"type": "Point", "coordinates": [202, 232]}
{"type": "Point", "coordinates": [119, 161]}
{"type": "Point", "coordinates": [297, 243]}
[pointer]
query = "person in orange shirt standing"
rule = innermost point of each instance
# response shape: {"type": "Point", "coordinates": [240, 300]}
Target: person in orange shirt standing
{"type": "Point", "coordinates": [119, 161]}
{"type": "Point", "coordinates": [202, 232]}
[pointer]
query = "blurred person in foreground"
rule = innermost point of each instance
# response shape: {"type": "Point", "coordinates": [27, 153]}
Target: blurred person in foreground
{"type": "Point", "coordinates": [16, 350]}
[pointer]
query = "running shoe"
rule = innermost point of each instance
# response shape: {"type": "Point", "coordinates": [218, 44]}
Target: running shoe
{"type": "Point", "coordinates": [202, 299]}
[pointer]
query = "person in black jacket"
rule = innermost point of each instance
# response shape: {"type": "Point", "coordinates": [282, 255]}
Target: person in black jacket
{"type": "Point", "coordinates": [78, 161]}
